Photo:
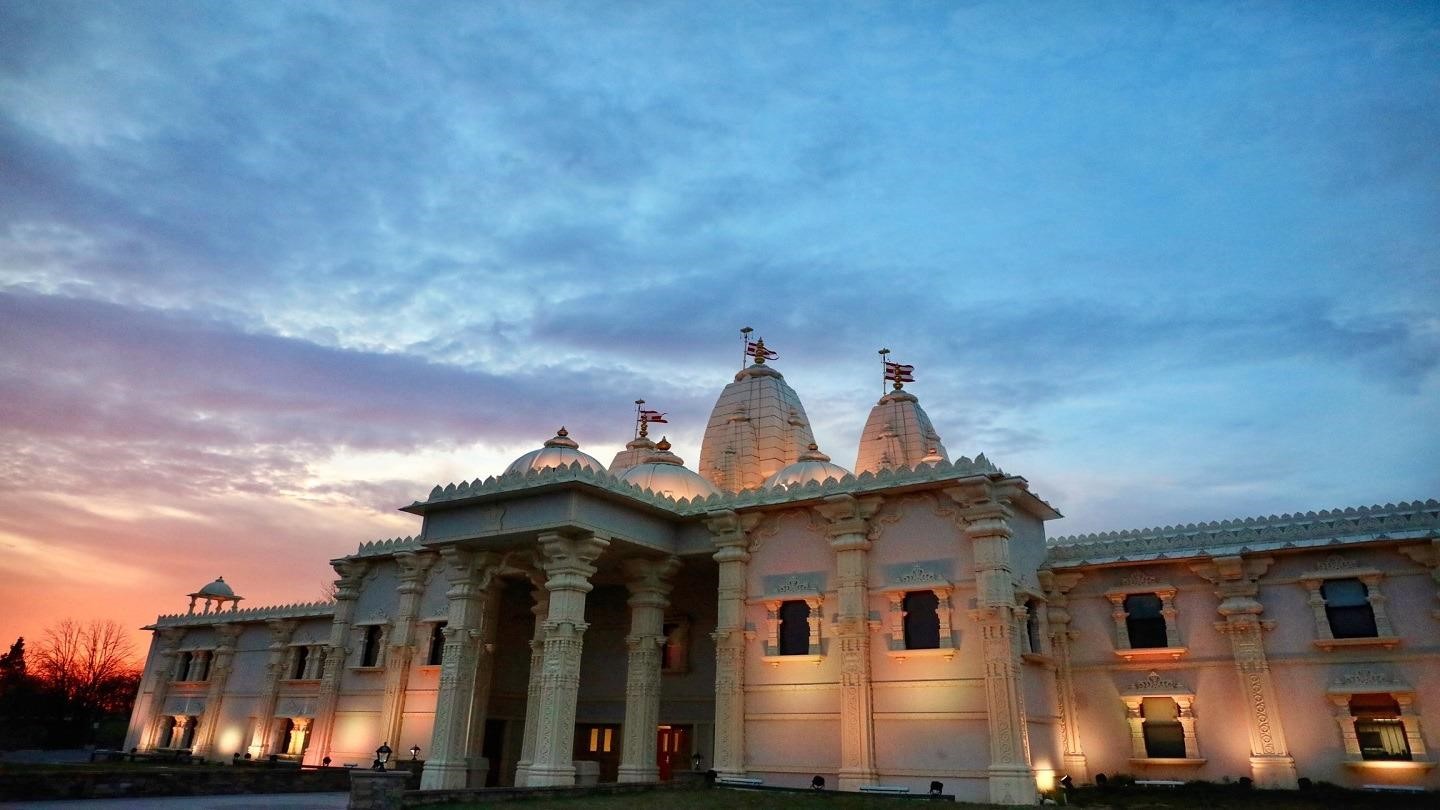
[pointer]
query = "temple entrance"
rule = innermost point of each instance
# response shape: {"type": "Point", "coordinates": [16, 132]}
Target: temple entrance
{"type": "Point", "coordinates": [672, 750]}
{"type": "Point", "coordinates": [493, 749]}
{"type": "Point", "coordinates": [600, 743]}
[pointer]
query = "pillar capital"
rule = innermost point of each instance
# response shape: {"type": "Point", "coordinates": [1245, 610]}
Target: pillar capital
{"type": "Point", "coordinates": [848, 518]}
{"type": "Point", "coordinates": [413, 566]}
{"type": "Point", "coordinates": [569, 561]}
{"type": "Point", "coordinates": [351, 572]}
{"type": "Point", "coordinates": [730, 531]}
{"type": "Point", "coordinates": [649, 576]}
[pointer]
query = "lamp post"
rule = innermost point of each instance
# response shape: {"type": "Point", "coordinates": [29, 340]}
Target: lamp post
{"type": "Point", "coordinates": [414, 752]}
{"type": "Point", "coordinates": [382, 756]}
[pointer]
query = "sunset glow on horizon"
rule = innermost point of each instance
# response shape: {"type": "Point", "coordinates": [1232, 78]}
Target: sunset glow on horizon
{"type": "Point", "coordinates": [269, 272]}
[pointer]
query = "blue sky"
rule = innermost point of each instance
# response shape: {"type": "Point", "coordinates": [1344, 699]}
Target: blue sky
{"type": "Point", "coordinates": [268, 270]}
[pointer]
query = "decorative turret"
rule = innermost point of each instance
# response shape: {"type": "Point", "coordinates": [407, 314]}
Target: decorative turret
{"type": "Point", "coordinates": [561, 451]}
{"type": "Point", "coordinates": [898, 433]}
{"type": "Point", "coordinates": [215, 594]}
{"type": "Point", "coordinates": [664, 473]}
{"type": "Point", "coordinates": [813, 465]}
{"type": "Point", "coordinates": [640, 447]}
{"type": "Point", "coordinates": [757, 427]}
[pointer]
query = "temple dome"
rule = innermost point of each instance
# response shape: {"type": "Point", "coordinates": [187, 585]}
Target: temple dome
{"type": "Point", "coordinates": [217, 588]}
{"type": "Point", "coordinates": [813, 465]}
{"type": "Point", "coordinates": [561, 451]}
{"type": "Point", "coordinates": [757, 427]}
{"type": "Point", "coordinates": [664, 473]}
{"type": "Point", "coordinates": [898, 433]}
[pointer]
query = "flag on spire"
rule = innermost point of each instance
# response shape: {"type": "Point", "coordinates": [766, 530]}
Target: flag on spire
{"type": "Point", "coordinates": [899, 373]}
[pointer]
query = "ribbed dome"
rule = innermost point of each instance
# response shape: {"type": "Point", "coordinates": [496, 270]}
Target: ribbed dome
{"type": "Point", "coordinates": [216, 588]}
{"type": "Point", "coordinates": [664, 473]}
{"type": "Point", "coordinates": [561, 451]}
{"type": "Point", "coordinates": [813, 465]}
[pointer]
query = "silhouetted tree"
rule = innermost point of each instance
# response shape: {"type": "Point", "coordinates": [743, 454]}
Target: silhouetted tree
{"type": "Point", "coordinates": [82, 682]}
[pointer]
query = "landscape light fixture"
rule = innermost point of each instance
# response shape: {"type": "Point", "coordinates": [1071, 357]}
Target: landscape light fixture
{"type": "Point", "coordinates": [414, 752]}
{"type": "Point", "coordinates": [695, 762]}
{"type": "Point", "coordinates": [382, 756]}
{"type": "Point", "coordinates": [818, 783]}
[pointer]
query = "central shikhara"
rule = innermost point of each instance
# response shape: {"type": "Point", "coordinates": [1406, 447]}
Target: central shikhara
{"type": "Point", "coordinates": [775, 616]}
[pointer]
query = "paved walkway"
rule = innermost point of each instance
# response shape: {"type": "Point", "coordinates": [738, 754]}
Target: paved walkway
{"type": "Point", "coordinates": [248, 801]}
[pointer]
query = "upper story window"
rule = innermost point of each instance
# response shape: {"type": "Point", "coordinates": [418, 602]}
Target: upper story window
{"type": "Point", "coordinates": [436, 655]}
{"type": "Point", "coordinates": [370, 646]}
{"type": "Point", "coordinates": [193, 665]}
{"type": "Point", "coordinates": [1347, 604]}
{"type": "Point", "coordinates": [299, 662]}
{"type": "Point", "coordinates": [922, 620]}
{"type": "Point", "coordinates": [1033, 634]}
{"type": "Point", "coordinates": [1347, 609]}
{"type": "Point", "coordinates": [1144, 621]}
{"type": "Point", "coordinates": [921, 614]}
{"type": "Point", "coordinates": [794, 630]}
{"type": "Point", "coordinates": [1144, 613]}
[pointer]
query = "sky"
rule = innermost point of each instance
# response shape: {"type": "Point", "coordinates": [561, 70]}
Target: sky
{"type": "Point", "coordinates": [270, 270]}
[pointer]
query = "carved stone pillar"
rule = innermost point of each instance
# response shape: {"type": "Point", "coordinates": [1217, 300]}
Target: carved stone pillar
{"type": "Point", "coordinates": [848, 530]}
{"type": "Point", "coordinates": [1136, 721]}
{"type": "Point", "coordinates": [1057, 606]}
{"type": "Point", "coordinates": [151, 733]}
{"type": "Point", "coordinates": [1340, 710]}
{"type": "Point", "coordinates": [182, 724]}
{"type": "Point", "coordinates": [472, 585]}
{"type": "Point", "coordinates": [648, 581]}
{"type": "Point", "coordinates": [412, 569]}
{"type": "Point", "coordinates": [541, 609]}
{"type": "Point", "coordinates": [568, 567]}
{"type": "Point", "coordinates": [728, 530]}
{"type": "Point", "coordinates": [298, 734]}
{"type": "Point", "coordinates": [281, 631]}
{"type": "Point", "coordinates": [347, 590]}
{"type": "Point", "coordinates": [987, 513]}
{"type": "Point", "coordinates": [1237, 584]}
{"type": "Point", "coordinates": [219, 673]}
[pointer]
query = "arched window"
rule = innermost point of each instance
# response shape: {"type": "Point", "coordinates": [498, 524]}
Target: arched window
{"type": "Point", "coordinates": [922, 620]}
{"type": "Point", "coordinates": [1144, 621]}
{"type": "Point", "coordinates": [1348, 609]}
{"type": "Point", "coordinates": [437, 645]}
{"type": "Point", "coordinates": [370, 646]}
{"type": "Point", "coordinates": [794, 631]}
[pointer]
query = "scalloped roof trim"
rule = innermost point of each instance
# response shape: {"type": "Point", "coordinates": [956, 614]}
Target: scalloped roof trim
{"type": "Point", "coordinates": [514, 482]}
{"type": "Point", "coordinates": [294, 610]}
{"type": "Point", "coordinates": [393, 545]}
{"type": "Point", "coordinates": [1286, 528]}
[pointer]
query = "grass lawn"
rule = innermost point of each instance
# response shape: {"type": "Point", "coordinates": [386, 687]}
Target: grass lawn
{"type": "Point", "coordinates": [728, 799]}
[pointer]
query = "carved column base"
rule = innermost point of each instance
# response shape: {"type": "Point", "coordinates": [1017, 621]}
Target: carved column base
{"type": "Point", "coordinates": [550, 776]}
{"type": "Point", "coordinates": [522, 774]}
{"type": "Point", "coordinates": [639, 773]}
{"type": "Point", "coordinates": [1012, 784]}
{"type": "Point", "coordinates": [855, 779]}
{"type": "Point", "coordinates": [1077, 768]}
{"type": "Point", "coordinates": [1274, 773]}
{"type": "Point", "coordinates": [447, 775]}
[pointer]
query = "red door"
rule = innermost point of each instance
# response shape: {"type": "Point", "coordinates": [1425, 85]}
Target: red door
{"type": "Point", "coordinates": [672, 750]}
